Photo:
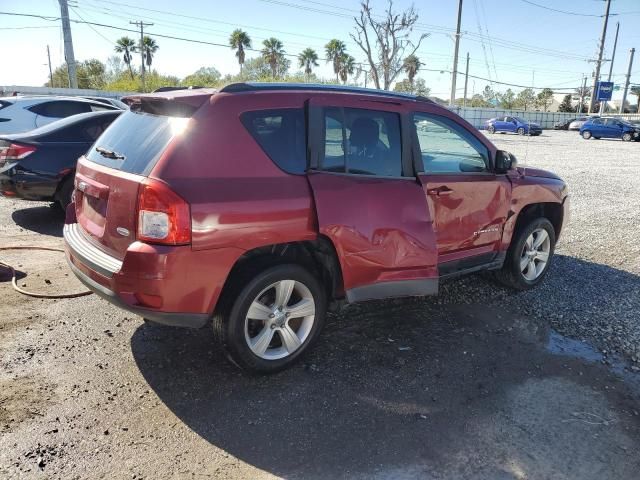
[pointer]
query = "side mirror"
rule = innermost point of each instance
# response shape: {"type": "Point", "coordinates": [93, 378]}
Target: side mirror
{"type": "Point", "coordinates": [505, 161]}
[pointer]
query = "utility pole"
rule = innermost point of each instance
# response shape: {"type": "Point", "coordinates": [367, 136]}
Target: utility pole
{"type": "Point", "coordinates": [452, 99]}
{"type": "Point", "coordinates": [582, 90]}
{"type": "Point", "coordinates": [68, 44]}
{"type": "Point", "coordinates": [596, 78]}
{"type": "Point", "coordinates": [141, 24]}
{"type": "Point", "coordinates": [466, 82]}
{"type": "Point", "coordinates": [613, 57]}
{"type": "Point", "coordinates": [626, 82]}
{"type": "Point", "coordinates": [50, 71]}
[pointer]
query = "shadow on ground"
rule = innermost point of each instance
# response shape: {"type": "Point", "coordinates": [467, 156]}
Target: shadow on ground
{"type": "Point", "coordinates": [408, 389]}
{"type": "Point", "coordinates": [45, 220]}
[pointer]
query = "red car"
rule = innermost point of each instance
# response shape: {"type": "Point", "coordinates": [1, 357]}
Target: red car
{"type": "Point", "coordinates": [258, 206]}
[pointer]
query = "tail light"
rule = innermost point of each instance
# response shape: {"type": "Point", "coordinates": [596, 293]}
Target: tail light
{"type": "Point", "coordinates": [163, 216]}
{"type": "Point", "coordinates": [13, 152]}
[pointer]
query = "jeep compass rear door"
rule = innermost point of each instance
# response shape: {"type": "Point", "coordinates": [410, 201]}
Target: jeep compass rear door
{"type": "Point", "coordinates": [367, 199]}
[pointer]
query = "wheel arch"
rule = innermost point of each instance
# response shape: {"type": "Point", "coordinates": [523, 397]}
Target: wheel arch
{"type": "Point", "coordinates": [318, 256]}
{"type": "Point", "coordinates": [552, 211]}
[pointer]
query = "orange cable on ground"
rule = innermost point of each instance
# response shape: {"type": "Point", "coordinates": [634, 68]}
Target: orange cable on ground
{"type": "Point", "coordinates": [32, 294]}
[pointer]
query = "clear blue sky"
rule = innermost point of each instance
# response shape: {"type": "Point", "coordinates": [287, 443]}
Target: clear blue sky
{"type": "Point", "coordinates": [530, 45]}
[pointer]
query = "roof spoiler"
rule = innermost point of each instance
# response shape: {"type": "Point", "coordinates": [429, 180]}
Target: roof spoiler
{"type": "Point", "coordinates": [179, 103]}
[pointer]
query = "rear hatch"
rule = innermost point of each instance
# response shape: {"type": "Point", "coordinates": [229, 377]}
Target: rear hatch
{"type": "Point", "coordinates": [109, 176]}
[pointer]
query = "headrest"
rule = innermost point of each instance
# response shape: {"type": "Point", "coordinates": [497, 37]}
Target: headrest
{"type": "Point", "coordinates": [365, 133]}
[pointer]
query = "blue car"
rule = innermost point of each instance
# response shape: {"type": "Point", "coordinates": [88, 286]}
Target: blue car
{"type": "Point", "coordinates": [512, 125]}
{"type": "Point", "coordinates": [610, 127]}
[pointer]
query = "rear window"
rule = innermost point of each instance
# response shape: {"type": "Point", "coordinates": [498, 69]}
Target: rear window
{"type": "Point", "coordinates": [139, 137]}
{"type": "Point", "coordinates": [4, 103]}
{"type": "Point", "coordinates": [281, 134]}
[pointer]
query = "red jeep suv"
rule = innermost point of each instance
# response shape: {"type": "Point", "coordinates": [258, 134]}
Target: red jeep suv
{"type": "Point", "coordinates": [258, 206]}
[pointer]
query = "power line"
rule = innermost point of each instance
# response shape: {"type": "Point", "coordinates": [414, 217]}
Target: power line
{"type": "Point", "coordinates": [560, 11]}
{"type": "Point", "coordinates": [204, 42]}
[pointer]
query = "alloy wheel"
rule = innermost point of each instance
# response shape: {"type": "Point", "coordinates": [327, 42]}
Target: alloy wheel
{"type": "Point", "coordinates": [280, 319]}
{"type": "Point", "coordinates": [535, 254]}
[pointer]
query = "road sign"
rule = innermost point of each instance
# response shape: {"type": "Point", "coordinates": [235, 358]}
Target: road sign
{"type": "Point", "coordinates": [604, 89]}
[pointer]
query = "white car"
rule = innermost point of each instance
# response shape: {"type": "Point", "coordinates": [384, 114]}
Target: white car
{"type": "Point", "coordinates": [21, 114]}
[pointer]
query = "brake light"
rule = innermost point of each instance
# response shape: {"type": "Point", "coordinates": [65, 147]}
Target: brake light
{"type": "Point", "coordinates": [11, 152]}
{"type": "Point", "coordinates": [163, 216]}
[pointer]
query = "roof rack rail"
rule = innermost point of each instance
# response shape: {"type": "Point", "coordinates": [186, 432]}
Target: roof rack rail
{"type": "Point", "coordinates": [266, 86]}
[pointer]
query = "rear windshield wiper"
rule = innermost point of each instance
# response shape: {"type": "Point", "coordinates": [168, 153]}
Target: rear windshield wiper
{"type": "Point", "coordinates": [109, 153]}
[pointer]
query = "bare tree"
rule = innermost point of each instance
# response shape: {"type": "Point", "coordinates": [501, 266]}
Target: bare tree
{"type": "Point", "coordinates": [384, 39]}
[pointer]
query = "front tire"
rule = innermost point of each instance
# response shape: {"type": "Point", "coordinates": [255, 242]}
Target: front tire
{"type": "Point", "coordinates": [273, 320]}
{"type": "Point", "coordinates": [586, 134]}
{"type": "Point", "coordinates": [520, 131]}
{"type": "Point", "coordinates": [627, 137]}
{"type": "Point", "coordinates": [491, 129]}
{"type": "Point", "coordinates": [529, 255]}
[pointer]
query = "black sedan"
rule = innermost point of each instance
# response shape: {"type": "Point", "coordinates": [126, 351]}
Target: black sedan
{"type": "Point", "coordinates": [563, 125]}
{"type": "Point", "coordinates": [40, 164]}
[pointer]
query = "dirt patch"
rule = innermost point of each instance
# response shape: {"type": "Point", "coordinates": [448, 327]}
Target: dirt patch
{"type": "Point", "coordinates": [23, 398]}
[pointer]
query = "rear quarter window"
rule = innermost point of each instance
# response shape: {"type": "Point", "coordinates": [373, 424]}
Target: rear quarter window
{"type": "Point", "coordinates": [60, 109]}
{"type": "Point", "coordinates": [281, 134]}
{"type": "Point", "coordinates": [139, 137]}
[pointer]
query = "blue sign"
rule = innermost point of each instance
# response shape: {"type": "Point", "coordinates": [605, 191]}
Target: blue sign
{"type": "Point", "coordinates": [605, 90]}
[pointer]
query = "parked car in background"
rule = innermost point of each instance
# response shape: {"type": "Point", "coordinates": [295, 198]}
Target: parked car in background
{"type": "Point", "coordinates": [578, 122]}
{"type": "Point", "coordinates": [510, 124]}
{"type": "Point", "coordinates": [256, 207]}
{"type": "Point", "coordinates": [114, 102]}
{"type": "Point", "coordinates": [610, 127]}
{"type": "Point", "coordinates": [40, 164]}
{"type": "Point", "coordinates": [24, 113]}
{"type": "Point", "coordinates": [563, 125]}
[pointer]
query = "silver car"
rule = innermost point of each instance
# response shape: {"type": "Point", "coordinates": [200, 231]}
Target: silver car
{"type": "Point", "coordinates": [577, 123]}
{"type": "Point", "coordinates": [21, 114]}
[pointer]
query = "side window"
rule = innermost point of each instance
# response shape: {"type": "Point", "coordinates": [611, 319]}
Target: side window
{"type": "Point", "coordinates": [364, 142]}
{"type": "Point", "coordinates": [446, 147]}
{"type": "Point", "coordinates": [60, 109]}
{"type": "Point", "coordinates": [596, 121]}
{"type": "Point", "coordinates": [100, 108]}
{"type": "Point", "coordinates": [281, 134]}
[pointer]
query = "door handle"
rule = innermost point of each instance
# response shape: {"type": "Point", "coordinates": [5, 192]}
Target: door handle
{"type": "Point", "coordinates": [438, 191]}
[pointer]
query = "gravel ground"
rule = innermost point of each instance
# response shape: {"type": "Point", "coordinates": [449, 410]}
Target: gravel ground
{"type": "Point", "coordinates": [470, 384]}
{"type": "Point", "coordinates": [593, 292]}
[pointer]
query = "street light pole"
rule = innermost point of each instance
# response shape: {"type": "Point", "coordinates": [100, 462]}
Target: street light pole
{"type": "Point", "coordinates": [452, 99]}
{"type": "Point", "coordinates": [626, 82]}
{"type": "Point", "coordinates": [466, 82]}
{"type": "Point", "coordinates": [613, 57]}
{"type": "Point", "coordinates": [596, 77]}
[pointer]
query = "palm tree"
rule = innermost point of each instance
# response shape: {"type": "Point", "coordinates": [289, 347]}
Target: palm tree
{"type": "Point", "coordinates": [308, 59]}
{"type": "Point", "coordinates": [149, 47]}
{"type": "Point", "coordinates": [335, 51]}
{"type": "Point", "coordinates": [127, 46]}
{"type": "Point", "coordinates": [411, 65]}
{"type": "Point", "coordinates": [347, 67]}
{"type": "Point", "coordinates": [239, 40]}
{"type": "Point", "coordinates": [635, 91]}
{"type": "Point", "coordinates": [272, 53]}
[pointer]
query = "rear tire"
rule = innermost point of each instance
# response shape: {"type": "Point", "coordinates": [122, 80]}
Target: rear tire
{"type": "Point", "coordinates": [528, 262]}
{"type": "Point", "coordinates": [63, 197]}
{"type": "Point", "coordinates": [586, 134]}
{"type": "Point", "coordinates": [520, 131]}
{"type": "Point", "coordinates": [257, 324]}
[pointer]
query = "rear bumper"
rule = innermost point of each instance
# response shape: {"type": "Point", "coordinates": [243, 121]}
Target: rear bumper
{"type": "Point", "coordinates": [28, 187]}
{"type": "Point", "coordinates": [174, 286]}
{"type": "Point", "coordinates": [192, 320]}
